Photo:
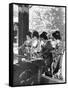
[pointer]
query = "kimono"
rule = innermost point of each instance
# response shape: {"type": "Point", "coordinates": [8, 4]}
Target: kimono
{"type": "Point", "coordinates": [35, 48]}
{"type": "Point", "coordinates": [48, 58]}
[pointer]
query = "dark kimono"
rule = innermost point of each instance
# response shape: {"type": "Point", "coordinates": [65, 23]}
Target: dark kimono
{"type": "Point", "coordinates": [47, 56]}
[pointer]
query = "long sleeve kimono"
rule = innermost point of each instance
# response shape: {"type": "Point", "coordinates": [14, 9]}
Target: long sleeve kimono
{"type": "Point", "coordinates": [47, 56]}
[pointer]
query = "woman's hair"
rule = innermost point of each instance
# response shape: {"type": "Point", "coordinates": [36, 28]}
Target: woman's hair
{"type": "Point", "coordinates": [29, 34]}
{"type": "Point", "coordinates": [44, 35]}
{"type": "Point", "coordinates": [56, 35]}
{"type": "Point", "coordinates": [35, 34]}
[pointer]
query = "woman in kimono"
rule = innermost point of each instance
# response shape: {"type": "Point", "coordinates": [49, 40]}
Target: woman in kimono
{"type": "Point", "coordinates": [46, 53]}
{"type": "Point", "coordinates": [57, 54]}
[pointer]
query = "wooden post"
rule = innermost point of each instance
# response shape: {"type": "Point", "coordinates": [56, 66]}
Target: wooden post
{"type": "Point", "coordinates": [23, 25]}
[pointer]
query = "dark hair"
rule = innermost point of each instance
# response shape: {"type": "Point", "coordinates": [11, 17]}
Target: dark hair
{"type": "Point", "coordinates": [44, 35]}
{"type": "Point", "coordinates": [35, 34]}
{"type": "Point", "coordinates": [56, 35]}
{"type": "Point", "coordinates": [29, 34]}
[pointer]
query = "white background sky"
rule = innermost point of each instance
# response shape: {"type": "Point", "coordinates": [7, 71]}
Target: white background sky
{"type": "Point", "coordinates": [4, 45]}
